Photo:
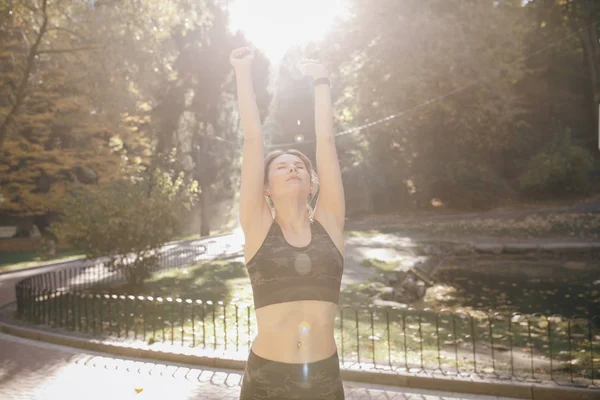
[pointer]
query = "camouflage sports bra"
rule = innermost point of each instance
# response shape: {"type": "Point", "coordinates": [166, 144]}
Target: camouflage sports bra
{"type": "Point", "coordinates": [280, 272]}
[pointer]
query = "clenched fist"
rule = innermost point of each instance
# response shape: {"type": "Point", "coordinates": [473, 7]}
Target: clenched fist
{"type": "Point", "coordinates": [241, 57]}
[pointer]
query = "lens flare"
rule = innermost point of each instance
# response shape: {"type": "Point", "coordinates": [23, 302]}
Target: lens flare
{"type": "Point", "coordinates": [304, 328]}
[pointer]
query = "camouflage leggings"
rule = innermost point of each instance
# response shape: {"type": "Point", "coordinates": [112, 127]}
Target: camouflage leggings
{"type": "Point", "coordinates": [266, 379]}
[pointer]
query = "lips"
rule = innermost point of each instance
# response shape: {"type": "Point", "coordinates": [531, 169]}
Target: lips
{"type": "Point", "coordinates": [292, 178]}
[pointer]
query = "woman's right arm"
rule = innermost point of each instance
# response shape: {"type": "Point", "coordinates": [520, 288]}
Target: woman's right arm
{"type": "Point", "coordinates": [253, 205]}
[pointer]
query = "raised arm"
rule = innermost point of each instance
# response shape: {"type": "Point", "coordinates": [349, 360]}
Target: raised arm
{"type": "Point", "coordinates": [253, 205]}
{"type": "Point", "coordinates": [331, 202]}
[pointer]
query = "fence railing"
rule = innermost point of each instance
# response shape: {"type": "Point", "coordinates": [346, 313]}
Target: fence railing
{"type": "Point", "coordinates": [522, 347]}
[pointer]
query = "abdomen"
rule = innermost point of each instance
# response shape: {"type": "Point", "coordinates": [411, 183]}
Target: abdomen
{"type": "Point", "coordinates": [296, 332]}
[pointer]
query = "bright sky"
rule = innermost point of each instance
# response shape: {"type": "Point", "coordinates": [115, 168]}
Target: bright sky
{"type": "Point", "coordinates": [275, 25]}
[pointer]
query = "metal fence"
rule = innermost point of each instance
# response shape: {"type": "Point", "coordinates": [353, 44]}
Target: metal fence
{"type": "Point", "coordinates": [521, 347]}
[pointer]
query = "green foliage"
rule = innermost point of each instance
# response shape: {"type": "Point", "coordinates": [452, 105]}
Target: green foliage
{"type": "Point", "coordinates": [144, 77]}
{"type": "Point", "coordinates": [62, 131]}
{"type": "Point", "coordinates": [560, 168]}
{"type": "Point", "coordinates": [467, 97]}
{"type": "Point", "coordinates": [133, 79]}
{"type": "Point", "coordinates": [126, 220]}
{"type": "Point", "coordinates": [467, 185]}
{"type": "Point", "coordinates": [392, 61]}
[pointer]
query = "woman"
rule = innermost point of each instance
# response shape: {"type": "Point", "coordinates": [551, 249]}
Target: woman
{"type": "Point", "coordinates": [294, 259]}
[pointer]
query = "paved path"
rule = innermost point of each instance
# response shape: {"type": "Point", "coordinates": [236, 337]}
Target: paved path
{"type": "Point", "coordinates": [32, 370]}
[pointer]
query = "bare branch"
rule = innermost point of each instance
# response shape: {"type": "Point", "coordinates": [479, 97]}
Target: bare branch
{"type": "Point", "coordinates": [70, 32]}
{"type": "Point", "coordinates": [25, 38]}
{"type": "Point", "coordinates": [29, 6]}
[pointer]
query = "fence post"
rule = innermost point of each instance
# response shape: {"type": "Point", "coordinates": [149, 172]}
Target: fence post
{"type": "Point", "coordinates": [19, 298]}
{"type": "Point", "coordinates": [100, 311]}
{"type": "Point", "coordinates": [237, 330]}
{"type": "Point", "coordinates": [181, 316]}
{"type": "Point", "coordinates": [224, 323]}
{"type": "Point", "coordinates": [342, 331]}
{"type": "Point", "coordinates": [171, 318]}
{"type": "Point", "coordinates": [38, 304]}
{"type": "Point", "coordinates": [357, 335]}
{"type": "Point", "coordinates": [373, 337]}
{"type": "Point", "coordinates": [30, 303]}
{"type": "Point", "coordinates": [193, 325]}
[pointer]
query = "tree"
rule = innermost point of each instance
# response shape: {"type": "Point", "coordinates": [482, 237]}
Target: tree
{"type": "Point", "coordinates": [87, 110]}
{"type": "Point", "coordinates": [55, 126]}
{"type": "Point", "coordinates": [18, 85]}
{"type": "Point", "coordinates": [565, 86]}
{"type": "Point", "coordinates": [196, 113]}
{"type": "Point", "coordinates": [583, 18]}
{"type": "Point", "coordinates": [446, 70]}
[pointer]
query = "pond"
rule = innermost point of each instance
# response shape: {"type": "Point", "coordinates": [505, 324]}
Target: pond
{"type": "Point", "coordinates": [568, 286]}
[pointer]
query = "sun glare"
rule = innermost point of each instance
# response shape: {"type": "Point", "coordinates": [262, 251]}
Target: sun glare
{"type": "Point", "coordinates": [273, 26]}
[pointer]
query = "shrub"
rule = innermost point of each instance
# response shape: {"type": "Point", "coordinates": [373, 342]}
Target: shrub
{"type": "Point", "coordinates": [126, 220]}
{"type": "Point", "coordinates": [463, 184]}
{"type": "Point", "coordinates": [560, 168]}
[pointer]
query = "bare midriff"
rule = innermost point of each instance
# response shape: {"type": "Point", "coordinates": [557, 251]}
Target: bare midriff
{"type": "Point", "coordinates": [296, 332]}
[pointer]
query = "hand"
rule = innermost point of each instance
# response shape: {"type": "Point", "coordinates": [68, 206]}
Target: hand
{"type": "Point", "coordinates": [312, 68]}
{"type": "Point", "coordinates": [241, 57]}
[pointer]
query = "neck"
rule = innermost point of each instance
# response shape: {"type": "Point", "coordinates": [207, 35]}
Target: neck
{"type": "Point", "coordinates": [292, 219]}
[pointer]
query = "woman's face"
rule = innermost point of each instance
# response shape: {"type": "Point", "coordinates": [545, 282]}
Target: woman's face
{"type": "Point", "coordinates": [288, 175]}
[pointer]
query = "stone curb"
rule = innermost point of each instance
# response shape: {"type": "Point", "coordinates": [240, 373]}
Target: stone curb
{"type": "Point", "coordinates": [518, 390]}
{"type": "Point", "coordinates": [443, 247]}
{"type": "Point", "coordinates": [516, 248]}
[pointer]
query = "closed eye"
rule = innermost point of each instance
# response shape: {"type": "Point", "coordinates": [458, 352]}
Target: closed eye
{"type": "Point", "coordinates": [298, 165]}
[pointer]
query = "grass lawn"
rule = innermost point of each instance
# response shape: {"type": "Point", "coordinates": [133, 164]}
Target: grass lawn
{"type": "Point", "coordinates": [214, 281]}
{"type": "Point", "coordinates": [16, 261]}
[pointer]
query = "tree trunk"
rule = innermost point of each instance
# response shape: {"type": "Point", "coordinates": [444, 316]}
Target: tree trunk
{"type": "Point", "coordinates": [202, 175]}
{"type": "Point", "coordinates": [591, 50]}
{"type": "Point", "coordinates": [595, 63]}
{"type": "Point", "coordinates": [205, 211]}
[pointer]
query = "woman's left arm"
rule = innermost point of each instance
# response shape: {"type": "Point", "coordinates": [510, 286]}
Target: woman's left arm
{"type": "Point", "coordinates": [331, 202]}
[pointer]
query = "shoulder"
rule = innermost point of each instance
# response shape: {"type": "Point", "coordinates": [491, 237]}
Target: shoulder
{"type": "Point", "coordinates": [255, 235]}
{"type": "Point", "coordinates": [332, 228]}
{"type": "Point", "coordinates": [329, 222]}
